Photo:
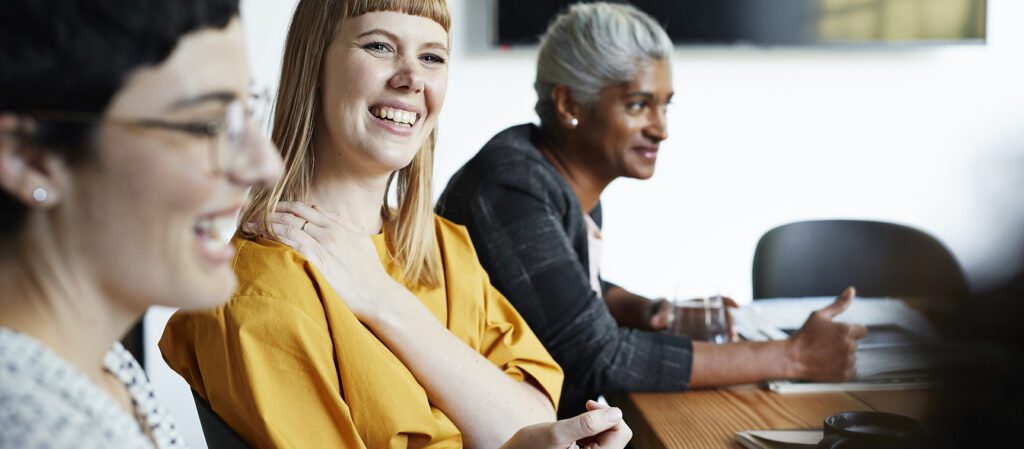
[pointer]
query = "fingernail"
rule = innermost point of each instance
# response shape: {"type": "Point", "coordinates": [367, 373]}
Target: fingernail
{"type": "Point", "coordinates": [613, 414]}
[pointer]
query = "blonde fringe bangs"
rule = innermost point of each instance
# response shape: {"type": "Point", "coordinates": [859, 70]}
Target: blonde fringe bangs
{"type": "Point", "coordinates": [436, 10]}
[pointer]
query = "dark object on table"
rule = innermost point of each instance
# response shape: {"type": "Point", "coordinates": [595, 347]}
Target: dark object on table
{"type": "Point", "coordinates": [875, 430]}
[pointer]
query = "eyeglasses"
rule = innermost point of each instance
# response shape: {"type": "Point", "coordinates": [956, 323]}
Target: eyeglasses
{"type": "Point", "coordinates": [228, 136]}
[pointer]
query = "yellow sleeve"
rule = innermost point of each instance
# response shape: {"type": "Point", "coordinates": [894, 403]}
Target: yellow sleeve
{"type": "Point", "coordinates": [267, 368]}
{"type": "Point", "coordinates": [510, 344]}
{"type": "Point", "coordinates": [503, 337]}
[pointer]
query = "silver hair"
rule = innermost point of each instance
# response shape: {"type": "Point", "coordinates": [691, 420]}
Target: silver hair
{"type": "Point", "coordinates": [592, 46]}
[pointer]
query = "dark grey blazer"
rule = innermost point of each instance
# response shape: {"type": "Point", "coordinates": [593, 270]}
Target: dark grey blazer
{"type": "Point", "coordinates": [529, 231]}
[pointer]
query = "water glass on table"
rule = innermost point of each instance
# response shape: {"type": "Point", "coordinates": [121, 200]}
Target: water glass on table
{"type": "Point", "coordinates": [701, 319]}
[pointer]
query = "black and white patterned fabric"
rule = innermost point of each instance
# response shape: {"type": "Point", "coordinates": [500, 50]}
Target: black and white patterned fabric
{"type": "Point", "coordinates": [46, 403]}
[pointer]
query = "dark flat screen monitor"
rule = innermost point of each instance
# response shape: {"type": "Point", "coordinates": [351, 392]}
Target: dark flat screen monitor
{"type": "Point", "coordinates": [777, 22]}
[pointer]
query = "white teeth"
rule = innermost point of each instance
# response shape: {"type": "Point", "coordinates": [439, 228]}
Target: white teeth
{"type": "Point", "coordinates": [215, 233]}
{"type": "Point", "coordinates": [396, 115]}
{"type": "Point", "coordinates": [213, 246]}
{"type": "Point", "coordinates": [224, 228]}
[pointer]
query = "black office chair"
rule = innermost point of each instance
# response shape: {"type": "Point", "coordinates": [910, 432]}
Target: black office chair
{"type": "Point", "coordinates": [821, 258]}
{"type": "Point", "coordinates": [217, 433]}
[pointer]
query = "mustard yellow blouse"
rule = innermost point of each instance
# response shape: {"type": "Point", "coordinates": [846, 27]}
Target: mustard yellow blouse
{"type": "Point", "coordinates": [287, 364]}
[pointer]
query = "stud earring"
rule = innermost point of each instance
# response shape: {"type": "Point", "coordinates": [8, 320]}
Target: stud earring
{"type": "Point", "coordinates": [40, 195]}
{"type": "Point", "coordinates": [574, 122]}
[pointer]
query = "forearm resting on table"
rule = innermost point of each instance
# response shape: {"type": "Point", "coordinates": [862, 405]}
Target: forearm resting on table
{"type": "Point", "coordinates": [744, 362]}
{"type": "Point", "coordinates": [486, 404]}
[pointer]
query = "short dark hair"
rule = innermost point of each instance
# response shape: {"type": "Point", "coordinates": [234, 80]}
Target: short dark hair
{"type": "Point", "coordinates": [74, 55]}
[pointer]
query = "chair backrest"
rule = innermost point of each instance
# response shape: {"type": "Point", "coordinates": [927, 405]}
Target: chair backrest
{"type": "Point", "coordinates": [821, 258]}
{"type": "Point", "coordinates": [217, 433]}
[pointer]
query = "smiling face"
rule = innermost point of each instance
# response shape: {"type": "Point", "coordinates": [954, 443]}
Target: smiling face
{"type": "Point", "coordinates": [621, 132]}
{"type": "Point", "coordinates": [382, 86]}
{"type": "Point", "coordinates": [150, 215]}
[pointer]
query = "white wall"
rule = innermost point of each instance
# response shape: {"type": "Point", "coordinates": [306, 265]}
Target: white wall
{"type": "Point", "coordinates": [921, 135]}
{"type": "Point", "coordinates": [930, 136]}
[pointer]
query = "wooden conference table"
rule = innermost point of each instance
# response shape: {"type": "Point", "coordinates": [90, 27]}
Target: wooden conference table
{"type": "Point", "coordinates": [710, 418]}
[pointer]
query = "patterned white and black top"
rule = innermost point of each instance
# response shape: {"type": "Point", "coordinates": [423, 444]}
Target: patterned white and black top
{"type": "Point", "coordinates": [45, 402]}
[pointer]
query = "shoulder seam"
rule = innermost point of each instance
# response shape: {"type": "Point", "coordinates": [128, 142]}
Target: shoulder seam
{"type": "Point", "coordinates": [238, 250]}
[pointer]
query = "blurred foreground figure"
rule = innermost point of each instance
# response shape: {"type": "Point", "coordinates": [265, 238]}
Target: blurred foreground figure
{"type": "Point", "coordinates": [125, 151]}
{"type": "Point", "coordinates": [981, 395]}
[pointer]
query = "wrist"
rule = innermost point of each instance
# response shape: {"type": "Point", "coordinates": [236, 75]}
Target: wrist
{"type": "Point", "coordinates": [382, 310]}
{"type": "Point", "coordinates": [793, 368]}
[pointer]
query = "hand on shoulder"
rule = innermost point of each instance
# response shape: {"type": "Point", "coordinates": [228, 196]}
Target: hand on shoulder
{"type": "Point", "coordinates": [347, 259]}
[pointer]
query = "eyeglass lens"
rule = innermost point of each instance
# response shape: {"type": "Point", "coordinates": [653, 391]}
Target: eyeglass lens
{"type": "Point", "coordinates": [229, 146]}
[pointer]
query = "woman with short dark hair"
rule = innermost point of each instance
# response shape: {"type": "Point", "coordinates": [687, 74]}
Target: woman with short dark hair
{"type": "Point", "coordinates": [125, 153]}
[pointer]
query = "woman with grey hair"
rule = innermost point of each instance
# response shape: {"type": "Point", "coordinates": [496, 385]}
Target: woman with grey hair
{"type": "Point", "coordinates": [531, 201]}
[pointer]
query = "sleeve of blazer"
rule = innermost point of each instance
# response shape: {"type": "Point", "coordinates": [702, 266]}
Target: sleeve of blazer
{"type": "Point", "coordinates": [519, 233]}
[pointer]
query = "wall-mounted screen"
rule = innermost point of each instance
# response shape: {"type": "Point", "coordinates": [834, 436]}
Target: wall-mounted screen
{"type": "Point", "coordinates": [777, 22]}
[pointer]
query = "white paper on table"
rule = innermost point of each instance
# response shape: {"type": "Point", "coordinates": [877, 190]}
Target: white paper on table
{"type": "Point", "coordinates": [770, 439]}
{"type": "Point", "coordinates": [766, 319]}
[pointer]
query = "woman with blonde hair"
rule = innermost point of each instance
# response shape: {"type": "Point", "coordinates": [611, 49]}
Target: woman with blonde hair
{"type": "Point", "coordinates": [357, 324]}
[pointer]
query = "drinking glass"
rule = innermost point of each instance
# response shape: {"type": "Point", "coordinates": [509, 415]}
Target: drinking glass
{"type": "Point", "coordinates": [701, 319]}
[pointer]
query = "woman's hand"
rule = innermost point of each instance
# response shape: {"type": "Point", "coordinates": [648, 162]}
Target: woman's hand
{"type": "Point", "coordinates": [824, 350]}
{"type": "Point", "coordinates": [599, 428]}
{"type": "Point", "coordinates": [348, 260]}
